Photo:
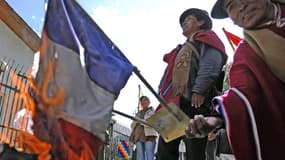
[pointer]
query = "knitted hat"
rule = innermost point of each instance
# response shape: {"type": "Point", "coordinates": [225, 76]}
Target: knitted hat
{"type": "Point", "coordinates": [199, 14]}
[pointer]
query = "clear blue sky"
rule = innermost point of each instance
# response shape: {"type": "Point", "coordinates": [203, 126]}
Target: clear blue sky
{"type": "Point", "coordinates": [32, 11]}
{"type": "Point", "coordinates": [144, 30]}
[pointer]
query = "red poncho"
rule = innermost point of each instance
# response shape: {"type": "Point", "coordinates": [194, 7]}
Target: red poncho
{"type": "Point", "coordinates": [209, 37]}
{"type": "Point", "coordinates": [250, 75]}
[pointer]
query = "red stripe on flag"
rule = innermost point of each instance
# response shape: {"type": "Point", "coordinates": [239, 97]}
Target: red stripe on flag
{"type": "Point", "coordinates": [79, 141]}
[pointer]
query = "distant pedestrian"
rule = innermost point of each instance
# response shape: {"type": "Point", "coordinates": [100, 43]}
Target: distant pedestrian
{"type": "Point", "coordinates": [144, 137]}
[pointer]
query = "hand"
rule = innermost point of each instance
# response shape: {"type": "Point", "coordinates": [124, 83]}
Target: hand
{"type": "Point", "coordinates": [201, 126]}
{"type": "Point", "coordinates": [212, 136]}
{"type": "Point", "coordinates": [197, 100]}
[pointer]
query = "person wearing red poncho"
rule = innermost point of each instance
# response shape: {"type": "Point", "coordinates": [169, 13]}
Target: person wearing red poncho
{"type": "Point", "coordinates": [190, 77]}
{"type": "Point", "coordinates": [253, 108]}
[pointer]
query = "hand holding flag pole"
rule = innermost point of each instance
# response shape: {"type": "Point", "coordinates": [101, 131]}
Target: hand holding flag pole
{"type": "Point", "coordinates": [159, 98]}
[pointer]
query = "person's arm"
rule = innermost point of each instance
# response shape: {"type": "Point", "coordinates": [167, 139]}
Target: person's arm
{"type": "Point", "coordinates": [242, 78]}
{"type": "Point", "coordinates": [211, 62]}
{"type": "Point", "coordinates": [210, 65]}
{"type": "Point", "coordinates": [133, 124]}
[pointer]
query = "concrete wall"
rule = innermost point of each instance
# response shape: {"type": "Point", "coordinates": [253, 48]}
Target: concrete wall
{"type": "Point", "coordinates": [12, 47]}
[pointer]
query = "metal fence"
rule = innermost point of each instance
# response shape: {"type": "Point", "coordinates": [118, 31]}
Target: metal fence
{"type": "Point", "coordinates": [12, 115]}
{"type": "Point", "coordinates": [14, 118]}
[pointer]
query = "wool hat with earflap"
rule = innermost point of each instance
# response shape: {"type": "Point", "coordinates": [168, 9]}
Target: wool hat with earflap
{"type": "Point", "coordinates": [199, 14]}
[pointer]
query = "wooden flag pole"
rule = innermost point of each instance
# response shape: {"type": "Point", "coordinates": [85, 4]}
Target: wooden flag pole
{"type": "Point", "coordinates": [159, 98]}
{"type": "Point", "coordinates": [230, 42]}
{"type": "Point", "coordinates": [131, 117]}
{"type": "Point", "coordinates": [139, 98]}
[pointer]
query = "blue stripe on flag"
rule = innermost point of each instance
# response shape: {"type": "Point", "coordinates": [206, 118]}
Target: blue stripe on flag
{"type": "Point", "coordinates": [105, 64]}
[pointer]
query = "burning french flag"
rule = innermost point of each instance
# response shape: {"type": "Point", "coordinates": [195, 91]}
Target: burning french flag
{"type": "Point", "coordinates": [80, 75]}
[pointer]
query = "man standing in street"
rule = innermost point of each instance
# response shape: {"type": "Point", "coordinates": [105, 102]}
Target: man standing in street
{"type": "Point", "coordinates": [190, 77]}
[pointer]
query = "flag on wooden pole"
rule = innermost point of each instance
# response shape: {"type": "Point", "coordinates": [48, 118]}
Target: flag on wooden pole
{"type": "Point", "coordinates": [78, 59]}
{"type": "Point", "coordinates": [232, 38]}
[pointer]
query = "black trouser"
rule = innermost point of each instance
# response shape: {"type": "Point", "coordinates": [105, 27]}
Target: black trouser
{"type": "Point", "coordinates": [168, 151]}
{"type": "Point", "coordinates": [195, 149]}
{"type": "Point", "coordinates": [211, 150]}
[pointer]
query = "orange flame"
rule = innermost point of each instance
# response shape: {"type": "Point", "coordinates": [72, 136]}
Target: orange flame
{"type": "Point", "coordinates": [4, 138]}
{"type": "Point", "coordinates": [30, 105]}
{"type": "Point", "coordinates": [87, 153]}
{"type": "Point", "coordinates": [58, 98]}
{"type": "Point", "coordinates": [32, 144]}
{"type": "Point", "coordinates": [26, 142]}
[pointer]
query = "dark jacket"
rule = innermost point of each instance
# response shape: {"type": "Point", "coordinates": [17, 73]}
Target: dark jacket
{"type": "Point", "coordinates": [205, 71]}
